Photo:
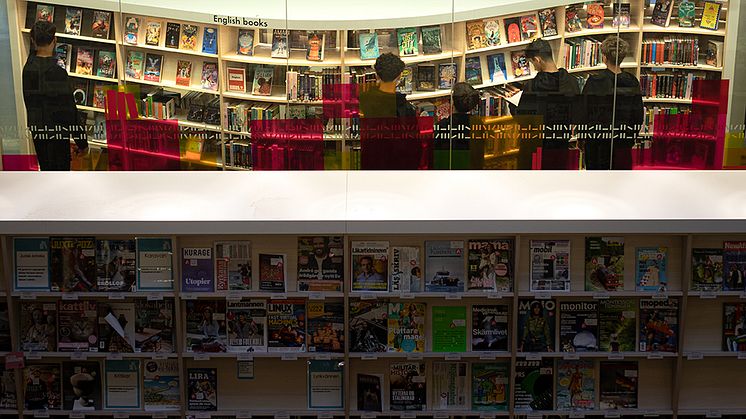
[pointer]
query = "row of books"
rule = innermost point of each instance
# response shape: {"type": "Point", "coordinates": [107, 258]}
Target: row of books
{"type": "Point", "coordinates": [239, 116]}
{"type": "Point", "coordinates": [160, 104]}
{"type": "Point", "coordinates": [238, 154]}
{"type": "Point", "coordinates": [149, 67]}
{"type": "Point", "coordinates": [655, 116]}
{"type": "Point", "coordinates": [88, 61]}
{"type": "Point", "coordinates": [84, 96]}
{"type": "Point", "coordinates": [668, 85]}
{"type": "Point", "coordinates": [178, 36]}
{"type": "Point", "coordinates": [100, 21]}
{"type": "Point", "coordinates": [307, 85]}
{"type": "Point", "coordinates": [201, 107]}
{"type": "Point", "coordinates": [678, 50]}
{"type": "Point", "coordinates": [493, 105]}
{"type": "Point", "coordinates": [710, 19]}
{"type": "Point", "coordinates": [584, 52]}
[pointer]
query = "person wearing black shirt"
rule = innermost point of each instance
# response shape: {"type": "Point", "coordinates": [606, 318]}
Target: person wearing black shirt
{"type": "Point", "coordinates": [613, 111]}
{"type": "Point", "coordinates": [52, 116]}
{"type": "Point", "coordinates": [383, 101]}
{"type": "Point", "coordinates": [550, 97]}
{"type": "Point", "coordinates": [454, 147]}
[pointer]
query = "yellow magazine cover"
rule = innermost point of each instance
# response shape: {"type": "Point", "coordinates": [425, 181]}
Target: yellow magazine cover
{"type": "Point", "coordinates": [406, 331]}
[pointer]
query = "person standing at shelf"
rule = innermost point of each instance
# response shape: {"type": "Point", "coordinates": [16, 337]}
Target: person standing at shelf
{"type": "Point", "coordinates": [52, 116]}
{"type": "Point", "coordinates": [383, 101]}
{"type": "Point", "coordinates": [454, 147]}
{"type": "Point", "coordinates": [550, 101]}
{"type": "Point", "coordinates": [613, 111]}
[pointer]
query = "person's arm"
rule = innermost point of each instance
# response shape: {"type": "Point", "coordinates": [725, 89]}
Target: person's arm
{"type": "Point", "coordinates": [66, 112]}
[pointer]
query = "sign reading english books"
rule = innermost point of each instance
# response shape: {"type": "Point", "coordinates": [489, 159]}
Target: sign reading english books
{"type": "Point", "coordinates": [247, 22]}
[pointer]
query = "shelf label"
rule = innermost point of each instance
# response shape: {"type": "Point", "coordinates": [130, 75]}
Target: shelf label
{"type": "Point", "coordinates": [325, 415]}
{"type": "Point", "coordinates": [233, 298]}
{"type": "Point", "coordinates": [159, 416]}
{"type": "Point", "coordinates": [114, 356]}
{"type": "Point", "coordinates": [202, 415]}
{"type": "Point", "coordinates": [494, 296]}
{"type": "Point", "coordinates": [368, 415]}
{"type": "Point", "coordinates": [69, 296]}
{"type": "Point", "coordinates": [323, 357]}
{"type": "Point", "coordinates": [33, 355]}
{"type": "Point", "coordinates": [742, 296]}
{"type": "Point", "coordinates": [280, 296]}
{"type": "Point", "coordinates": [713, 414]}
{"type": "Point", "coordinates": [368, 357]}
{"type": "Point", "coordinates": [408, 415]}
{"type": "Point", "coordinates": [694, 356]}
{"type": "Point", "coordinates": [576, 415]}
{"type": "Point", "coordinates": [159, 356]}
{"type": "Point", "coordinates": [407, 296]}
{"type": "Point", "coordinates": [440, 416]}
{"type": "Point", "coordinates": [41, 414]}
{"type": "Point", "coordinates": [453, 296]}
{"type": "Point", "coordinates": [655, 355]}
{"type": "Point", "coordinates": [188, 297]}
{"type": "Point", "coordinates": [78, 356]}
{"type": "Point", "coordinates": [707, 295]}
{"type": "Point", "coordinates": [201, 356]}
{"type": "Point", "coordinates": [76, 415]}
{"type": "Point", "coordinates": [611, 414]}
{"type": "Point", "coordinates": [367, 296]}
{"type": "Point", "coordinates": [414, 357]}
{"type": "Point", "coordinates": [289, 357]}
{"type": "Point", "coordinates": [316, 296]}
{"type": "Point", "coordinates": [487, 357]}
{"type": "Point", "coordinates": [282, 415]}
{"type": "Point", "coordinates": [242, 414]}
{"type": "Point", "coordinates": [533, 356]}
{"type": "Point", "coordinates": [571, 356]}
{"type": "Point", "coordinates": [244, 357]}
{"type": "Point", "coordinates": [116, 296]}
{"type": "Point", "coordinates": [660, 296]}
{"type": "Point", "coordinates": [121, 415]}
{"type": "Point", "coordinates": [453, 357]}
{"type": "Point", "coordinates": [616, 356]}
{"type": "Point", "coordinates": [155, 297]}
{"type": "Point", "coordinates": [650, 414]}
{"type": "Point", "coordinates": [28, 296]}
{"type": "Point", "coordinates": [534, 416]}
{"type": "Point", "coordinates": [486, 416]}
{"type": "Point", "coordinates": [543, 296]}
{"type": "Point", "coordinates": [742, 355]}
{"type": "Point", "coordinates": [603, 295]}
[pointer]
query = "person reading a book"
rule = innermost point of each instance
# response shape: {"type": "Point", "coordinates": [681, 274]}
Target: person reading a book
{"type": "Point", "coordinates": [546, 110]}
{"type": "Point", "coordinates": [613, 111]}
{"type": "Point", "coordinates": [454, 147]}
{"type": "Point", "coordinates": [52, 116]}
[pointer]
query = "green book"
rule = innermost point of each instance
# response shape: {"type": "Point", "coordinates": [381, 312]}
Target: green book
{"type": "Point", "coordinates": [408, 41]}
{"type": "Point", "coordinates": [686, 14]}
{"type": "Point", "coordinates": [449, 329]}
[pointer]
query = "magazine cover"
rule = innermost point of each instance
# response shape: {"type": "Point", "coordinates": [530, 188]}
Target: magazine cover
{"type": "Point", "coordinates": [116, 326]}
{"type": "Point", "coordinates": [8, 396]}
{"type": "Point", "coordinates": [618, 385]}
{"type": "Point", "coordinates": [188, 40]}
{"type": "Point", "coordinates": [489, 325]}
{"type": "Point", "coordinates": [659, 325]}
{"type": "Point", "coordinates": [101, 24]}
{"type": "Point", "coordinates": [512, 29]}
{"type": "Point", "coordinates": [536, 325]}
{"type": "Point", "coordinates": [449, 329]}
{"type": "Point", "coordinates": [662, 13]}
{"type": "Point", "coordinates": [707, 270]}
{"type": "Point", "coordinates": [286, 325]}
{"type": "Point", "coordinates": [272, 272]}
{"type": "Point", "coordinates": [280, 48]}
{"type": "Point", "coordinates": [651, 269]}
{"type": "Point", "coordinates": [369, 46]}
{"type": "Point", "coordinates": [449, 385]}
{"type": "Point", "coordinates": [38, 327]}
{"type": "Point", "coordinates": [77, 326]}
{"type": "Point", "coordinates": [734, 265]}
{"type": "Point", "coordinates": [42, 387]}
{"type": "Point", "coordinates": [245, 42]}
{"type": "Point", "coordinates": [617, 318]}
{"type": "Point", "coordinates": [622, 15]}
{"type": "Point", "coordinates": [734, 327]}
{"type": "Point", "coordinates": [122, 384]}
{"type": "Point", "coordinates": [320, 263]}
{"type": "Point", "coordinates": [489, 386]}
{"type": "Point", "coordinates": [534, 384]}
{"type": "Point", "coordinates": [408, 386]}
{"type": "Point", "coordinates": [431, 40]}
{"type": "Point", "coordinates": [425, 78]}
{"type": "Point", "coordinates": [153, 33]}
{"type": "Point", "coordinates": [368, 326]}
{"type": "Point", "coordinates": [326, 329]}
{"type": "Point", "coordinates": [154, 264]}
{"type": "Point", "coordinates": [205, 326]}
{"type": "Point", "coordinates": [73, 18]}
{"type": "Point", "coordinates": [325, 384]}
{"type": "Point", "coordinates": [73, 263]}
{"type": "Point", "coordinates": [81, 385]}
{"type": "Point", "coordinates": [572, 20]}
{"type": "Point", "coordinates": [246, 325]}
{"type": "Point", "coordinates": [115, 265]}
{"type": "Point", "coordinates": [153, 66]}
{"type": "Point", "coordinates": [408, 42]}
{"type": "Point", "coordinates": [406, 269]}
{"type": "Point", "coordinates": [491, 265]}
{"type": "Point", "coordinates": [576, 388]}
{"type": "Point", "coordinates": [578, 326]}
{"type": "Point", "coordinates": [370, 265]}
{"type": "Point", "coordinates": [444, 266]}
{"type": "Point", "coordinates": [496, 67]}
{"type": "Point", "coordinates": [210, 40]}
{"type": "Point", "coordinates": [604, 263]}
{"type": "Point", "coordinates": [197, 269]}
{"type": "Point", "coordinates": [550, 265]}
{"type": "Point", "coordinates": [154, 325]}
{"type": "Point", "coordinates": [131, 30]}
{"type": "Point", "coordinates": [369, 393]}
{"type": "Point", "coordinates": [233, 265]}
{"type": "Point", "coordinates": [161, 385]}
{"type": "Point", "coordinates": [202, 389]}
{"type": "Point", "coordinates": [406, 327]}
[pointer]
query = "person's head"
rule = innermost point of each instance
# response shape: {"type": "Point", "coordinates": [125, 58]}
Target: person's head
{"type": "Point", "coordinates": [388, 67]}
{"type": "Point", "coordinates": [536, 309]}
{"type": "Point", "coordinates": [539, 53]}
{"type": "Point", "coordinates": [614, 49]}
{"type": "Point", "coordinates": [366, 264]}
{"type": "Point", "coordinates": [465, 97]}
{"type": "Point", "coordinates": [207, 313]}
{"type": "Point", "coordinates": [43, 35]}
{"type": "Point", "coordinates": [319, 246]}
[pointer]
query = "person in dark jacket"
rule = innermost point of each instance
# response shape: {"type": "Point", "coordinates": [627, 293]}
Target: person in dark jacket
{"type": "Point", "coordinates": [613, 111]}
{"type": "Point", "coordinates": [52, 116]}
{"type": "Point", "coordinates": [383, 101]}
{"type": "Point", "coordinates": [454, 147]}
{"type": "Point", "coordinates": [551, 99]}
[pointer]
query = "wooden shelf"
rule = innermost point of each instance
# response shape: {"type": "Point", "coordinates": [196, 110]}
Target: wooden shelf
{"type": "Point", "coordinates": [702, 67]}
{"type": "Point", "coordinates": [92, 77]}
{"type": "Point", "coordinates": [77, 37]}
{"type": "Point", "coordinates": [508, 46]}
{"type": "Point", "coordinates": [171, 50]}
{"type": "Point", "coordinates": [296, 59]}
{"type": "Point", "coordinates": [91, 109]}
{"type": "Point", "coordinates": [602, 31]}
{"type": "Point", "coordinates": [650, 28]}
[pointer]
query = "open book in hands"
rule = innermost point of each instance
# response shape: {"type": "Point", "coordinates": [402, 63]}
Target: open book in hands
{"type": "Point", "coordinates": [508, 92]}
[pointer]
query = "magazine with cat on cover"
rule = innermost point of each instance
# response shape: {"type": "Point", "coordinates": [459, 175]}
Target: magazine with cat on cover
{"type": "Point", "coordinates": [320, 263]}
{"type": "Point", "coordinates": [490, 383]}
{"type": "Point", "coordinates": [286, 325]}
{"type": "Point", "coordinates": [77, 326]}
{"type": "Point", "coordinates": [205, 326]}
{"type": "Point", "coordinates": [325, 326]}
{"type": "Point", "coordinates": [406, 327]}
{"type": "Point", "coordinates": [490, 265]}
{"type": "Point", "coordinates": [42, 387]}
{"type": "Point", "coordinates": [578, 326]}
{"type": "Point", "coordinates": [72, 263]}
{"type": "Point", "coordinates": [38, 326]}
{"type": "Point", "coordinates": [154, 325]}
{"type": "Point", "coordinates": [368, 326]}
{"type": "Point", "coordinates": [489, 327]}
{"type": "Point", "coordinates": [659, 325]}
{"type": "Point", "coordinates": [575, 385]}
{"type": "Point", "coordinates": [115, 265]}
{"type": "Point", "coordinates": [408, 386]}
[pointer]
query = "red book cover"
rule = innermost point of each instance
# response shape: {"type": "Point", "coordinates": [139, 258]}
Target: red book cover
{"type": "Point", "coordinates": [237, 80]}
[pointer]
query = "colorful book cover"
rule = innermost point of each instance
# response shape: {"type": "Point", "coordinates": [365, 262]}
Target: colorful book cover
{"type": "Point", "coordinates": [604, 263]}
{"type": "Point", "coordinates": [77, 323]}
{"type": "Point", "coordinates": [406, 81]}
{"type": "Point", "coordinates": [262, 84]}
{"type": "Point", "coordinates": [662, 13]}
{"type": "Point", "coordinates": [529, 28]}
{"type": "Point", "coordinates": [369, 392]}
{"type": "Point", "coordinates": [496, 67]}
{"type": "Point", "coordinates": [280, 48]}
{"type": "Point", "coordinates": [325, 384]}
{"type": "Point", "coordinates": [161, 385]}
{"type": "Point", "coordinates": [578, 326]}
{"type": "Point", "coordinates": [431, 40]}
{"type": "Point", "coordinates": [131, 30]}
{"type": "Point", "coordinates": [233, 265]}
{"type": "Point", "coordinates": [537, 321]}
{"type": "Point", "coordinates": [184, 73]}
{"type": "Point", "coordinates": [734, 265]}
{"type": "Point", "coordinates": [659, 325]}
{"type": "Point", "coordinates": [202, 389]}
{"type": "Point", "coordinates": [197, 269]}
{"type": "Point", "coordinates": [617, 325]}
{"type": "Point", "coordinates": [210, 40]}
{"type": "Point", "coordinates": [711, 15]}
{"type": "Point", "coordinates": [325, 327]}
{"type": "Point", "coordinates": [407, 41]}
{"type": "Point", "coordinates": [44, 12]}
{"type": "Point", "coordinates": [406, 269]}
{"type": "Point", "coordinates": [73, 19]}
{"type": "Point", "coordinates": [209, 79]}
{"type": "Point", "coordinates": [63, 53]}
{"type": "Point", "coordinates": [489, 327]}
{"type": "Point", "coordinates": [246, 326]}
{"type": "Point", "coordinates": [621, 17]}
{"type": "Point", "coordinates": [426, 77]}
{"type": "Point", "coordinates": [576, 385]}
{"type": "Point", "coordinates": [512, 29]}
{"type": "Point", "coordinates": [370, 265]}
{"type": "Point", "coordinates": [153, 66]}
{"type": "Point", "coordinates": [315, 46]}
{"type": "Point", "coordinates": [8, 398]}
{"type": "Point", "coordinates": [320, 263]}
{"type": "Point", "coordinates": [449, 329]}
{"type": "Point", "coordinates": [449, 385]}
{"type": "Point", "coordinates": [447, 75]}
{"type": "Point", "coordinates": [548, 22]}
{"type": "Point", "coordinates": [31, 263]}
{"type": "Point", "coordinates": [521, 67]}
{"type": "Point", "coordinates": [550, 263]}
{"type": "Point", "coordinates": [368, 326]}
{"type": "Point", "coordinates": [444, 266]}
{"type": "Point", "coordinates": [408, 386]}
{"type": "Point", "coordinates": [618, 385]}
{"type": "Point", "coordinates": [116, 327]}
{"type": "Point", "coordinates": [154, 263]}
{"type": "Point", "coordinates": [135, 64]}
{"type": "Point", "coordinates": [73, 263]}
{"type": "Point", "coordinates": [205, 326]}
{"type": "Point", "coordinates": [42, 387]}
{"type": "Point", "coordinates": [101, 24]}
{"type": "Point", "coordinates": [475, 34]}
{"type": "Point", "coordinates": [81, 385]}
{"type": "Point", "coordinates": [115, 264]}
{"type": "Point", "coordinates": [188, 38]}
{"type": "Point", "coordinates": [99, 101]}
{"type": "Point", "coordinates": [534, 384]}
{"type": "Point", "coordinates": [245, 42]}
{"type": "Point", "coordinates": [122, 384]}
{"type": "Point", "coordinates": [273, 272]}
{"type": "Point", "coordinates": [651, 268]}
{"type": "Point", "coordinates": [595, 15]}
{"type": "Point", "coordinates": [154, 325]}
{"type": "Point", "coordinates": [107, 64]}
{"type": "Point", "coordinates": [490, 265]}
{"type": "Point", "coordinates": [707, 270]}
{"type": "Point", "coordinates": [369, 46]}
{"type": "Point", "coordinates": [572, 20]}
{"type": "Point", "coordinates": [173, 31]}
{"type": "Point", "coordinates": [153, 33]}
{"type": "Point", "coordinates": [84, 61]}
{"type": "Point", "coordinates": [406, 327]}
{"type": "Point", "coordinates": [286, 325]}
{"type": "Point", "coordinates": [473, 70]}
{"type": "Point", "coordinates": [492, 32]}
{"type": "Point", "coordinates": [489, 386]}
{"type": "Point", "coordinates": [38, 327]}
{"type": "Point", "coordinates": [734, 327]}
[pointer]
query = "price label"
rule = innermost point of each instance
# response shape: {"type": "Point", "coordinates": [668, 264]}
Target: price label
{"type": "Point", "coordinates": [742, 296]}
{"type": "Point", "coordinates": [121, 415]}
{"type": "Point", "coordinates": [651, 414]}
{"type": "Point", "coordinates": [202, 415]}
{"type": "Point", "coordinates": [407, 296]}
{"type": "Point", "coordinates": [414, 357]}
{"type": "Point", "coordinates": [69, 296]}
{"type": "Point", "coordinates": [576, 415]}
{"type": "Point", "coordinates": [487, 357]}
{"type": "Point", "coordinates": [612, 414]}
{"type": "Point", "coordinates": [694, 356]}
{"type": "Point", "coordinates": [368, 415]}
{"type": "Point", "coordinates": [289, 357]}
{"type": "Point", "coordinates": [533, 357]}
{"type": "Point", "coordinates": [78, 356]}
{"type": "Point", "coordinates": [453, 296]}
{"type": "Point", "coordinates": [660, 296]}
{"type": "Point", "coordinates": [76, 415]}
{"type": "Point", "coordinates": [159, 356]}
{"type": "Point", "coordinates": [245, 357]}
{"type": "Point", "coordinates": [201, 356]}
{"type": "Point", "coordinates": [159, 416]}
{"type": "Point", "coordinates": [114, 356]}
{"type": "Point", "coordinates": [571, 357]}
{"type": "Point", "coordinates": [408, 415]}
{"type": "Point", "coordinates": [116, 296]}
{"type": "Point", "coordinates": [440, 416]}
{"type": "Point", "coordinates": [453, 357]}
{"type": "Point", "coordinates": [316, 296]}
{"type": "Point", "coordinates": [282, 415]}
{"type": "Point", "coordinates": [486, 416]}
{"type": "Point", "coordinates": [742, 355]}
{"type": "Point", "coordinates": [325, 415]}
{"type": "Point", "coordinates": [603, 295]}
{"type": "Point", "coordinates": [155, 297]}
{"type": "Point", "coordinates": [534, 417]}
